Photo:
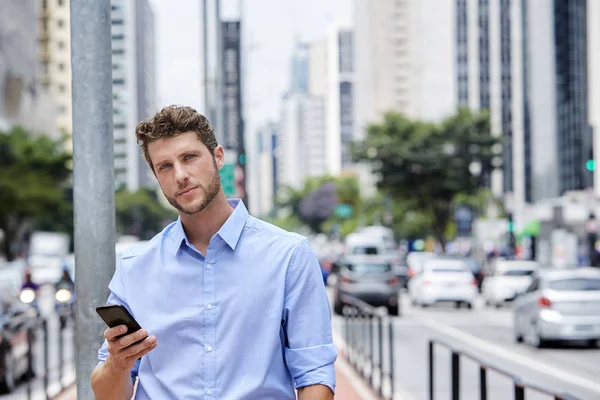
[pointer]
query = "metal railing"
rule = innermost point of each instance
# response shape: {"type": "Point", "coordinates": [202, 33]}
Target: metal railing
{"type": "Point", "coordinates": [369, 344]}
{"type": "Point", "coordinates": [519, 387]}
{"type": "Point", "coordinates": [38, 335]}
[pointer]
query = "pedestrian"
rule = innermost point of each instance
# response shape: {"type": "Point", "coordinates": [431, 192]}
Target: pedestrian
{"type": "Point", "coordinates": [232, 307]}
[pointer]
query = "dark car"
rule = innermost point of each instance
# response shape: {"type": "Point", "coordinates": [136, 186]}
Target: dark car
{"type": "Point", "coordinates": [370, 279]}
{"type": "Point", "coordinates": [15, 320]}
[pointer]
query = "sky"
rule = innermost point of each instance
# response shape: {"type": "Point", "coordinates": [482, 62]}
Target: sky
{"type": "Point", "coordinates": [270, 29]}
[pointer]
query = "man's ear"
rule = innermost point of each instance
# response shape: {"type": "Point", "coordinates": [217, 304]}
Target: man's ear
{"type": "Point", "coordinates": [219, 155]}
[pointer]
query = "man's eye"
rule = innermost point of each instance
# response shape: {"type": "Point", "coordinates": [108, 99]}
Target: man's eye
{"type": "Point", "coordinates": [165, 166]}
{"type": "Point", "coordinates": [189, 157]}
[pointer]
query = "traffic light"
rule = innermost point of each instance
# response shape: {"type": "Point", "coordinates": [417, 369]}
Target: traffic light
{"type": "Point", "coordinates": [511, 224]}
{"type": "Point", "coordinates": [590, 165]}
{"type": "Point", "coordinates": [242, 159]}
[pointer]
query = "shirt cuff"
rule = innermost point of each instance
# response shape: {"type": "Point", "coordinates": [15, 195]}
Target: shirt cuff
{"type": "Point", "coordinates": [312, 365]}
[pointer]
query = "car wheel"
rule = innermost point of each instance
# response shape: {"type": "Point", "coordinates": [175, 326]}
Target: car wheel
{"type": "Point", "coordinates": [338, 308]}
{"type": "Point", "coordinates": [593, 343]}
{"type": "Point", "coordinates": [393, 310]}
{"type": "Point", "coordinates": [534, 337]}
{"type": "Point", "coordinates": [498, 305]}
{"type": "Point", "coordinates": [7, 380]}
{"type": "Point", "coordinates": [470, 306]}
{"type": "Point", "coordinates": [517, 331]}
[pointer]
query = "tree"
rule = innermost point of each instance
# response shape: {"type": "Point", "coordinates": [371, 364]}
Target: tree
{"type": "Point", "coordinates": [140, 213]}
{"type": "Point", "coordinates": [427, 165]}
{"type": "Point", "coordinates": [317, 206]}
{"type": "Point", "coordinates": [33, 177]}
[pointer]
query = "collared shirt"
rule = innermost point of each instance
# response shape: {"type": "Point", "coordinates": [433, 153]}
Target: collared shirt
{"type": "Point", "coordinates": [248, 320]}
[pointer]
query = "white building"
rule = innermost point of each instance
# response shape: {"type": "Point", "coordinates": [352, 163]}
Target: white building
{"type": "Point", "coordinates": [266, 169]}
{"type": "Point", "coordinates": [339, 96]}
{"type": "Point", "coordinates": [133, 87]}
{"type": "Point", "coordinates": [55, 57]}
{"type": "Point", "coordinates": [23, 101]}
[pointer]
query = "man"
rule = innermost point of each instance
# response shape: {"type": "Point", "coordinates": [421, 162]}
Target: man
{"type": "Point", "coordinates": [232, 307]}
{"type": "Point", "coordinates": [28, 283]}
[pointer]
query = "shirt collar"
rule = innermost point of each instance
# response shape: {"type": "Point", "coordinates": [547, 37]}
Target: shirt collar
{"type": "Point", "coordinates": [230, 232]}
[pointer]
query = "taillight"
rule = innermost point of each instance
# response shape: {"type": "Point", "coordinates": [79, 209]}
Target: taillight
{"type": "Point", "coordinates": [544, 302]}
{"type": "Point", "coordinates": [346, 279]}
{"type": "Point", "coordinates": [426, 283]}
{"type": "Point", "coordinates": [411, 273]}
{"type": "Point", "coordinates": [393, 281]}
{"type": "Point", "coordinates": [474, 282]}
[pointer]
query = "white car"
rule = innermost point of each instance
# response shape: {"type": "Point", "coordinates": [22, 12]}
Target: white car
{"type": "Point", "coordinates": [443, 280]}
{"type": "Point", "coordinates": [509, 279]}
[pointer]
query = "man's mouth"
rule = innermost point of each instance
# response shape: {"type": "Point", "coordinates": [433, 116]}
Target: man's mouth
{"type": "Point", "coordinates": [185, 191]}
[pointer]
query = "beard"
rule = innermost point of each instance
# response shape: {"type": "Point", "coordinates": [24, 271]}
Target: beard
{"type": "Point", "coordinates": [209, 193]}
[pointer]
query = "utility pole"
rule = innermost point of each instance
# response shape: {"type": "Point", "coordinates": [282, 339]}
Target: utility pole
{"type": "Point", "coordinates": [93, 186]}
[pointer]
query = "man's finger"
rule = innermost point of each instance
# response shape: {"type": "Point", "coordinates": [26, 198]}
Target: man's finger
{"type": "Point", "coordinates": [143, 352]}
{"type": "Point", "coordinates": [139, 347]}
{"type": "Point", "coordinates": [113, 333]}
{"type": "Point", "coordinates": [132, 338]}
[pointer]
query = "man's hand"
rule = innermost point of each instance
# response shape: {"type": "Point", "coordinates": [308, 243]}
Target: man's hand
{"type": "Point", "coordinates": [122, 352]}
{"type": "Point", "coordinates": [315, 392]}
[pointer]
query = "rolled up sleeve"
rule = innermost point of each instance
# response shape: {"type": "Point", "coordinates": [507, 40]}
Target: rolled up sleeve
{"type": "Point", "coordinates": [310, 353]}
{"type": "Point", "coordinates": [116, 297]}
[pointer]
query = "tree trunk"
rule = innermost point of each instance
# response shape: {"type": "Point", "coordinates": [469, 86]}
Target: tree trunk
{"type": "Point", "coordinates": [7, 242]}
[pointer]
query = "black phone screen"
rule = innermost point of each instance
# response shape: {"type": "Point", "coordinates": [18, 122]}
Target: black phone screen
{"type": "Point", "coordinates": [115, 315]}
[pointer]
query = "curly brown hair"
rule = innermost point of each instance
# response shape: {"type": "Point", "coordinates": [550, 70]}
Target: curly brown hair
{"type": "Point", "coordinates": [173, 121]}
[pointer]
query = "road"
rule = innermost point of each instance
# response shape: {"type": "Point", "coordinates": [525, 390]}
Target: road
{"type": "Point", "coordinates": [68, 370]}
{"type": "Point", "coordinates": [485, 333]}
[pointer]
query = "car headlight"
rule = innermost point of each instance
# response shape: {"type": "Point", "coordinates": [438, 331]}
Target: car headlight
{"type": "Point", "coordinates": [63, 295]}
{"type": "Point", "coordinates": [27, 296]}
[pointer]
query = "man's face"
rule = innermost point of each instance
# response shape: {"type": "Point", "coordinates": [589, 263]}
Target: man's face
{"type": "Point", "coordinates": [187, 172]}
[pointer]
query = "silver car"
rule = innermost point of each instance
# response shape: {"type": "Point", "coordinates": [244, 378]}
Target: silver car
{"type": "Point", "coordinates": [370, 279]}
{"type": "Point", "coordinates": [559, 305]}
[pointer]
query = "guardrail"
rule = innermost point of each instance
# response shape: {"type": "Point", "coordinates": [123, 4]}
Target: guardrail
{"type": "Point", "coordinates": [38, 335]}
{"type": "Point", "coordinates": [519, 387]}
{"type": "Point", "coordinates": [369, 344]}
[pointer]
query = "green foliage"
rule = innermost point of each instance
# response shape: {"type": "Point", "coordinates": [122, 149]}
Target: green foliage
{"type": "Point", "coordinates": [33, 179]}
{"type": "Point", "coordinates": [424, 166]}
{"type": "Point", "coordinates": [140, 213]}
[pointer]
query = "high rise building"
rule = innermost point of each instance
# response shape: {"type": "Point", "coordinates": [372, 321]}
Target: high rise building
{"type": "Point", "coordinates": [266, 167]}
{"type": "Point", "coordinates": [339, 96]}
{"type": "Point", "coordinates": [134, 84]}
{"type": "Point", "coordinates": [23, 101]}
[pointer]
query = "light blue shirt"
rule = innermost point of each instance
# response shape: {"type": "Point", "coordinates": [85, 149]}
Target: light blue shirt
{"type": "Point", "coordinates": [248, 320]}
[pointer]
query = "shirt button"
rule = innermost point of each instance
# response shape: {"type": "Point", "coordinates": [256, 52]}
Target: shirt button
{"type": "Point", "coordinates": [208, 391]}
{"type": "Point", "coordinates": [209, 306]}
{"type": "Point", "coordinates": [208, 266]}
{"type": "Point", "coordinates": [209, 348]}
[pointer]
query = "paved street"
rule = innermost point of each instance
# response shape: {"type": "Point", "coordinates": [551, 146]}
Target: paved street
{"type": "Point", "coordinates": [487, 334]}
{"type": "Point", "coordinates": [37, 390]}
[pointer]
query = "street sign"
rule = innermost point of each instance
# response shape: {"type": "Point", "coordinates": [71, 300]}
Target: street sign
{"type": "Point", "coordinates": [343, 211]}
{"type": "Point", "coordinates": [227, 174]}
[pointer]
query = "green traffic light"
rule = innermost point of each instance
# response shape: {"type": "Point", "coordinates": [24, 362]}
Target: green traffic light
{"type": "Point", "coordinates": [511, 227]}
{"type": "Point", "coordinates": [590, 165]}
{"type": "Point", "coordinates": [242, 159]}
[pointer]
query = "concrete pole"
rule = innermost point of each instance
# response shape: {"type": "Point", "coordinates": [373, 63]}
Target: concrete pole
{"type": "Point", "coordinates": [93, 187]}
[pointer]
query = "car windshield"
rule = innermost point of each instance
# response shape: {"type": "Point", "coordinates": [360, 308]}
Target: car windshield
{"type": "Point", "coordinates": [369, 268]}
{"type": "Point", "coordinates": [575, 284]}
{"type": "Point", "coordinates": [364, 250]}
{"type": "Point", "coordinates": [518, 272]}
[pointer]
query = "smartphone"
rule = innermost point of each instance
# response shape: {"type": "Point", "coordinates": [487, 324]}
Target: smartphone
{"type": "Point", "coordinates": [115, 315]}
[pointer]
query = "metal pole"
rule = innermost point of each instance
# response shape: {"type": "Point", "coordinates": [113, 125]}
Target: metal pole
{"type": "Point", "coordinates": [205, 58]}
{"type": "Point", "coordinates": [482, 383]}
{"type": "Point", "coordinates": [93, 186]}
{"type": "Point", "coordinates": [455, 376]}
{"type": "Point", "coordinates": [431, 369]}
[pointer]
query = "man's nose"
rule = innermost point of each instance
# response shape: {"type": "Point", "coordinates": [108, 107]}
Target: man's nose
{"type": "Point", "coordinates": [181, 174]}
